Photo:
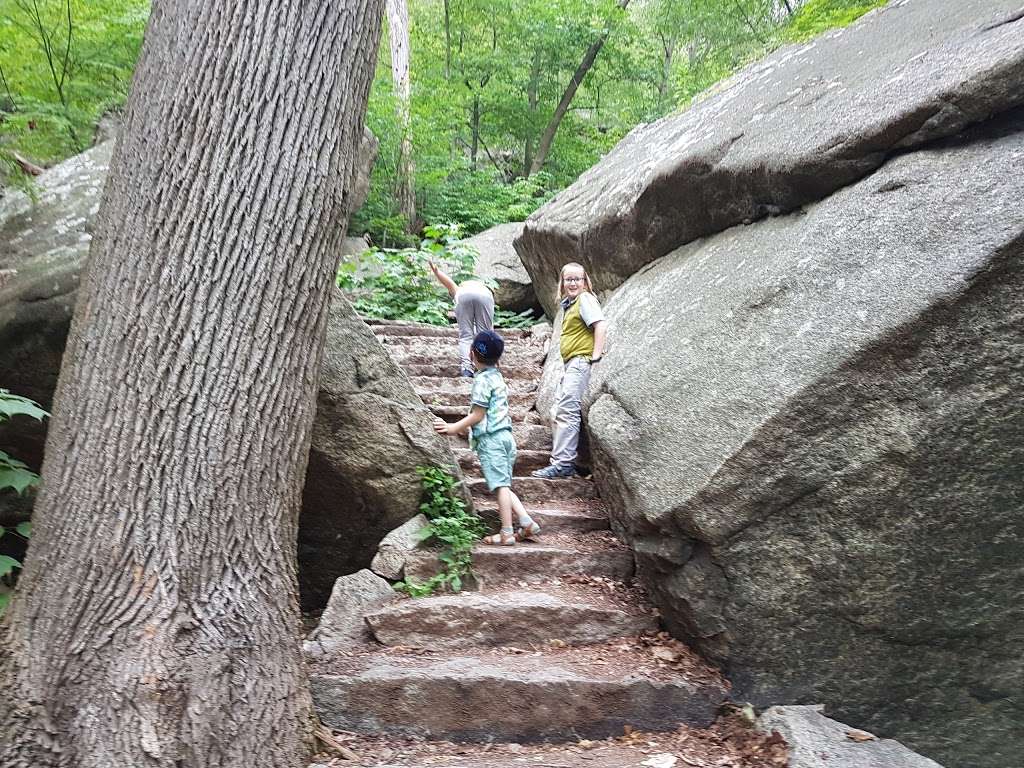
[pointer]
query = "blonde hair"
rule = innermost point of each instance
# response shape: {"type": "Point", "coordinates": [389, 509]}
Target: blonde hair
{"type": "Point", "coordinates": [561, 279]}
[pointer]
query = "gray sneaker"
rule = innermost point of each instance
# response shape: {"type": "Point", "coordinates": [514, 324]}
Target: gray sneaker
{"type": "Point", "coordinates": [551, 471]}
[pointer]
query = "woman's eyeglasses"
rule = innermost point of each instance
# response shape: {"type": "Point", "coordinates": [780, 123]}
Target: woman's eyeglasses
{"type": "Point", "coordinates": [573, 279]}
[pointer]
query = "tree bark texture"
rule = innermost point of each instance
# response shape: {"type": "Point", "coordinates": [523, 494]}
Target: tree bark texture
{"type": "Point", "coordinates": [398, 35]}
{"type": "Point", "coordinates": [156, 623]}
{"type": "Point", "coordinates": [548, 137]}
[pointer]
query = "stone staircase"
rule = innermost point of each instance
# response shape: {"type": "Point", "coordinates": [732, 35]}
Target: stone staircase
{"type": "Point", "coordinates": [548, 647]}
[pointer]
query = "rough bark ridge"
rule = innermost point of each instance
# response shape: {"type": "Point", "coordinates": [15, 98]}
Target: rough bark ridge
{"type": "Point", "coordinates": [157, 622]}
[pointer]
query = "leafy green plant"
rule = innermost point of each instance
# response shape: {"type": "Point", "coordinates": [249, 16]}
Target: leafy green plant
{"type": "Point", "coordinates": [504, 318]}
{"type": "Point", "coordinates": [8, 564]}
{"type": "Point", "coordinates": [397, 284]}
{"type": "Point", "coordinates": [451, 525]}
{"type": "Point", "coordinates": [15, 475]}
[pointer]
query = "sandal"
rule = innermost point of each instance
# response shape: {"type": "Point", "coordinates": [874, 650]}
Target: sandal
{"type": "Point", "coordinates": [500, 539]}
{"type": "Point", "coordinates": [530, 531]}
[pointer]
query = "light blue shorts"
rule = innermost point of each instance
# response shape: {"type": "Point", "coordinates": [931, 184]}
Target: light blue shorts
{"type": "Point", "coordinates": [497, 452]}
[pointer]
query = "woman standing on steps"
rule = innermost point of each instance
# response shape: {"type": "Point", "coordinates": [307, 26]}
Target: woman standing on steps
{"type": "Point", "coordinates": [582, 344]}
{"type": "Point", "coordinates": [474, 312]}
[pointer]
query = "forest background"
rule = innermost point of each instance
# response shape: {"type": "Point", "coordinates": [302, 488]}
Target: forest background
{"type": "Point", "coordinates": [485, 80]}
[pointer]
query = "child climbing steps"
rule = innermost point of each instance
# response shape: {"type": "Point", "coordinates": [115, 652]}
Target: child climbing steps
{"type": "Point", "coordinates": [490, 425]}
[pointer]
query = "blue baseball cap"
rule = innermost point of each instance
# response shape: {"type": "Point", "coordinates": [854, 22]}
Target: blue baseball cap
{"type": "Point", "coordinates": [488, 345]}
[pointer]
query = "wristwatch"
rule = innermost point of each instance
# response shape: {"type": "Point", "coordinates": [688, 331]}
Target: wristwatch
{"type": "Point", "coordinates": [596, 359]}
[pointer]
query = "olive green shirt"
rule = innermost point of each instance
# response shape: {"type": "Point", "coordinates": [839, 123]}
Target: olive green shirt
{"type": "Point", "coordinates": [578, 318]}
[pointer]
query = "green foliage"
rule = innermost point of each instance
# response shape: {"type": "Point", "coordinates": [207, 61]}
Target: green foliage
{"type": "Point", "coordinates": [506, 319]}
{"type": "Point", "coordinates": [398, 284]}
{"type": "Point", "coordinates": [817, 16]}
{"type": "Point", "coordinates": [452, 526]}
{"type": "Point", "coordinates": [54, 87]}
{"type": "Point", "coordinates": [479, 200]}
{"type": "Point", "coordinates": [13, 473]}
{"type": "Point", "coordinates": [8, 564]}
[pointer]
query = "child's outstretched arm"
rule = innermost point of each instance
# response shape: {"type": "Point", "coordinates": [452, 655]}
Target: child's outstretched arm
{"type": "Point", "coordinates": [443, 279]}
{"type": "Point", "coordinates": [475, 416]}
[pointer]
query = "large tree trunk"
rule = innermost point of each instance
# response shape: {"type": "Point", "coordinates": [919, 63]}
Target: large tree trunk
{"type": "Point", "coordinates": [156, 622]}
{"type": "Point", "coordinates": [398, 35]}
{"type": "Point", "coordinates": [548, 137]}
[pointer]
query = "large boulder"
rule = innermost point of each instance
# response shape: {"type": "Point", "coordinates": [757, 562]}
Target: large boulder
{"type": "Point", "coordinates": [786, 131]}
{"type": "Point", "coordinates": [811, 430]}
{"type": "Point", "coordinates": [370, 434]}
{"type": "Point", "coordinates": [498, 261]}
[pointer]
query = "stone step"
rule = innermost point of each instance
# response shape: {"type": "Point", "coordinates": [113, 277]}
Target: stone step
{"type": "Point", "coordinates": [494, 696]}
{"type": "Point", "coordinates": [535, 489]}
{"type": "Point", "coordinates": [517, 618]}
{"type": "Point", "coordinates": [513, 337]}
{"type": "Point", "coordinates": [463, 385]}
{"type": "Point", "coordinates": [448, 354]}
{"type": "Point", "coordinates": [405, 328]}
{"type": "Point", "coordinates": [534, 562]}
{"type": "Point", "coordinates": [528, 437]}
{"type": "Point", "coordinates": [555, 520]}
{"type": "Point", "coordinates": [452, 413]}
{"type": "Point", "coordinates": [523, 401]}
{"type": "Point", "coordinates": [428, 366]}
{"type": "Point", "coordinates": [527, 460]}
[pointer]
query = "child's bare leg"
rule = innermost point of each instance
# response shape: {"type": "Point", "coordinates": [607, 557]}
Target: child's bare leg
{"type": "Point", "coordinates": [505, 504]}
{"type": "Point", "coordinates": [528, 528]}
{"type": "Point", "coordinates": [518, 508]}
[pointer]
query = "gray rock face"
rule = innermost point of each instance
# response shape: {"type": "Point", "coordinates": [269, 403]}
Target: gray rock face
{"type": "Point", "coordinates": [352, 596]}
{"type": "Point", "coordinates": [815, 741]}
{"type": "Point", "coordinates": [785, 131]}
{"type": "Point", "coordinates": [371, 432]}
{"type": "Point", "coordinates": [42, 251]}
{"type": "Point", "coordinates": [499, 261]}
{"type": "Point", "coordinates": [812, 432]}
{"type": "Point", "coordinates": [389, 561]}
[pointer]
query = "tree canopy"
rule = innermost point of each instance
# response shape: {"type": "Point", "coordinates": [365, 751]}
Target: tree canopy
{"type": "Point", "coordinates": [486, 78]}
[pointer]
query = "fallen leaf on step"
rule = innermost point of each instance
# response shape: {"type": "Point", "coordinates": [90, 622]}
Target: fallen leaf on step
{"type": "Point", "coordinates": [663, 760]}
{"type": "Point", "coordinates": [857, 735]}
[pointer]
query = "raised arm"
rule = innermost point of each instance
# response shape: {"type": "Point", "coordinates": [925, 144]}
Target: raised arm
{"type": "Point", "coordinates": [443, 279]}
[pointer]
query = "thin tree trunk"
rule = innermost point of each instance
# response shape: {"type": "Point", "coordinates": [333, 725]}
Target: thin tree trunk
{"type": "Point", "coordinates": [447, 42]}
{"type": "Point", "coordinates": [398, 35]}
{"type": "Point", "coordinates": [548, 137]}
{"type": "Point", "coordinates": [474, 127]}
{"type": "Point", "coordinates": [532, 100]}
{"type": "Point", "coordinates": [668, 46]}
{"type": "Point", "coordinates": [156, 622]}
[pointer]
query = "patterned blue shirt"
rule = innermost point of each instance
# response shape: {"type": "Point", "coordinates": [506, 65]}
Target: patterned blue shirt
{"type": "Point", "coordinates": [491, 392]}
